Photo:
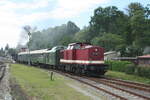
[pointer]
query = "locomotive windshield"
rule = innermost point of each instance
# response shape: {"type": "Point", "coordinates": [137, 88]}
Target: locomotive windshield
{"type": "Point", "coordinates": [74, 46]}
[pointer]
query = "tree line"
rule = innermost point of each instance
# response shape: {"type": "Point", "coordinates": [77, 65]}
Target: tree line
{"type": "Point", "coordinates": [125, 31]}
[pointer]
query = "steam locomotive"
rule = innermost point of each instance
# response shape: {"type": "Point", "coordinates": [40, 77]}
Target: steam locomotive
{"type": "Point", "coordinates": [78, 58]}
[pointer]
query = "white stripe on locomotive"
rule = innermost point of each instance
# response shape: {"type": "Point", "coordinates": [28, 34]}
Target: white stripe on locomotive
{"type": "Point", "coordinates": [81, 61]}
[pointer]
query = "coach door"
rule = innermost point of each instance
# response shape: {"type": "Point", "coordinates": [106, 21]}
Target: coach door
{"type": "Point", "coordinates": [45, 58]}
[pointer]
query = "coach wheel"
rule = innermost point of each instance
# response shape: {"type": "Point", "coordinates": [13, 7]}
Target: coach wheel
{"type": "Point", "coordinates": [82, 71]}
{"type": "Point", "coordinates": [64, 68]}
{"type": "Point", "coordinates": [73, 70]}
{"type": "Point", "coordinates": [87, 73]}
{"type": "Point", "coordinates": [78, 71]}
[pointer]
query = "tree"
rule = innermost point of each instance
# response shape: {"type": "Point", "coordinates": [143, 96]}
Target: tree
{"type": "Point", "coordinates": [2, 52]}
{"type": "Point", "coordinates": [147, 11]}
{"type": "Point", "coordinates": [83, 35]}
{"type": "Point", "coordinates": [109, 41]}
{"type": "Point", "coordinates": [13, 53]}
{"type": "Point", "coordinates": [134, 7]}
{"type": "Point", "coordinates": [59, 35]}
{"type": "Point", "coordinates": [66, 40]}
{"type": "Point", "coordinates": [133, 51]}
{"type": "Point", "coordinates": [109, 20]}
{"type": "Point", "coordinates": [6, 47]}
{"type": "Point", "coordinates": [72, 27]}
{"type": "Point", "coordinates": [139, 25]}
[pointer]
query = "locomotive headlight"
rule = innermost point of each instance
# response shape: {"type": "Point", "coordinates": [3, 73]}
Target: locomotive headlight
{"type": "Point", "coordinates": [96, 49]}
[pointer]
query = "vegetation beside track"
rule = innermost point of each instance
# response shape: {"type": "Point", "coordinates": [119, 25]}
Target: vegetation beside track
{"type": "Point", "coordinates": [124, 76]}
{"type": "Point", "coordinates": [129, 68]}
{"type": "Point", "coordinates": [37, 84]}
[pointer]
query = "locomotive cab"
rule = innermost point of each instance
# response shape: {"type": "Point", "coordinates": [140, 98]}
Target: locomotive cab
{"type": "Point", "coordinates": [77, 45]}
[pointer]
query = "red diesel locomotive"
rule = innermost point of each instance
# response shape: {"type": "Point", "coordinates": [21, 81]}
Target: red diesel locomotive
{"type": "Point", "coordinates": [83, 58]}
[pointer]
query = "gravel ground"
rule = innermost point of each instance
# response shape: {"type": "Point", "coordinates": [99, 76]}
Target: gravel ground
{"type": "Point", "coordinates": [147, 94]}
{"type": "Point", "coordinates": [4, 85]}
{"type": "Point", "coordinates": [90, 91]}
{"type": "Point", "coordinates": [113, 90]}
{"type": "Point", "coordinates": [87, 93]}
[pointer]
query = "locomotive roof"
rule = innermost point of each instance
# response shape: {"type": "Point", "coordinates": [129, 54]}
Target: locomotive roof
{"type": "Point", "coordinates": [144, 56]}
{"type": "Point", "coordinates": [80, 43]}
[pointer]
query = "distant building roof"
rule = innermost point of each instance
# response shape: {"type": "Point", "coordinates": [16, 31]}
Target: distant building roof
{"type": "Point", "coordinates": [144, 56]}
{"type": "Point", "coordinates": [124, 58]}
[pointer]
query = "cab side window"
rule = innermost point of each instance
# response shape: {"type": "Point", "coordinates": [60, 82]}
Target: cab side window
{"type": "Point", "coordinates": [77, 46]}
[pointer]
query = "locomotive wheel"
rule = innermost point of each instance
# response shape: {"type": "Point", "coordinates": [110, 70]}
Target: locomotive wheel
{"type": "Point", "coordinates": [82, 71]}
{"type": "Point", "coordinates": [87, 73]}
{"type": "Point", "coordinates": [78, 71]}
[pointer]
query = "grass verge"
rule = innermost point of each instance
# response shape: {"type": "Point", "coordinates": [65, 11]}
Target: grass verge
{"type": "Point", "coordinates": [124, 76]}
{"type": "Point", "coordinates": [37, 84]}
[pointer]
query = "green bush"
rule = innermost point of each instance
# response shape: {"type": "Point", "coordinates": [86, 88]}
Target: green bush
{"type": "Point", "coordinates": [143, 71]}
{"type": "Point", "coordinates": [130, 69]}
{"type": "Point", "coordinates": [117, 65]}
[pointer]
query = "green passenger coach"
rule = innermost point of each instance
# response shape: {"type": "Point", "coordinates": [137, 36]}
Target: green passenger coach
{"type": "Point", "coordinates": [44, 56]}
{"type": "Point", "coordinates": [52, 57]}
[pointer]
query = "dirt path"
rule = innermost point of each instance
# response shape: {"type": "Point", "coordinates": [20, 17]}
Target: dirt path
{"type": "Point", "coordinates": [4, 83]}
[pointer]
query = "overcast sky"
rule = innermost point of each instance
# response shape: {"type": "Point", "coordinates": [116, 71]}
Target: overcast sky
{"type": "Point", "coordinates": [14, 14]}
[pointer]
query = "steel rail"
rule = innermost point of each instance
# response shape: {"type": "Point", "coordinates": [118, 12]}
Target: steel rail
{"type": "Point", "coordinates": [129, 82]}
{"type": "Point", "coordinates": [146, 89]}
{"type": "Point", "coordinates": [98, 88]}
{"type": "Point", "coordinates": [3, 69]}
{"type": "Point", "coordinates": [108, 84]}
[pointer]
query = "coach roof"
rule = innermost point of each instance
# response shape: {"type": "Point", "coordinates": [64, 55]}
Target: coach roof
{"type": "Point", "coordinates": [33, 52]}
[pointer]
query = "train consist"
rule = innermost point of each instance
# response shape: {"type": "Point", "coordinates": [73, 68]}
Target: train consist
{"type": "Point", "coordinates": [79, 58]}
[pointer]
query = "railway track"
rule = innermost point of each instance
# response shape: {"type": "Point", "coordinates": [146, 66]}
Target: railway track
{"type": "Point", "coordinates": [136, 90]}
{"type": "Point", "coordinates": [3, 60]}
{"type": "Point", "coordinates": [2, 71]}
{"type": "Point", "coordinates": [107, 85]}
{"type": "Point", "coordinates": [121, 89]}
{"type": "Point", "coordinates": [135, 85]}
{"type": "Point", "coordinates": [82, 80]}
